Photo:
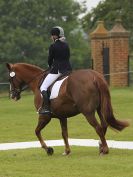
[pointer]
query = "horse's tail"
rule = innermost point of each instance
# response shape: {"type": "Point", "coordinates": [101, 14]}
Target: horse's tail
{"type": "Point", "coordinates": [106, 107]}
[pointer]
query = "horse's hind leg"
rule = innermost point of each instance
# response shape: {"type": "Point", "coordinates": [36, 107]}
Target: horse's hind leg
{"type": "Point", "coordinates": [104, 124]}
{"type": "Point", "coordinates": [42, 122]}
{"type": "Point", "coordinates": [63, 123]}
{"type": "Point", "coordinates": [104, 127]}
{"type": "Point", "coordinates": [92, 120]}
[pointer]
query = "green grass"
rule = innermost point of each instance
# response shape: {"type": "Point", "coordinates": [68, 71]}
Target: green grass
{"type": "Point", "coordinates": [83, 162]}
{"type": "Point", "coordinates": [18, 121]}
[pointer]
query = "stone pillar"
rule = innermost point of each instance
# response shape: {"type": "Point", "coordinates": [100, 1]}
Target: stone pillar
{"type": "Point", "coordinates": [118, 46]}
{"type": "Point", "coordinates": [98, 40]}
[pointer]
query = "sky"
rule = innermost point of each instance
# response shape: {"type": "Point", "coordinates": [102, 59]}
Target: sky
{"type": "Point", "coordinates": [90, 3]}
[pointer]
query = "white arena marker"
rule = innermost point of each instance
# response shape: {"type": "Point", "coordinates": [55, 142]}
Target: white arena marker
{"type": "Point", "coordinates": [75, 142]}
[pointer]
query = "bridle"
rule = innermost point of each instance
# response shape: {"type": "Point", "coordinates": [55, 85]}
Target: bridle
{"type": "Point", "coordinates": [15, 91]}
{"type": "Point", "coordinates": [13, 79]}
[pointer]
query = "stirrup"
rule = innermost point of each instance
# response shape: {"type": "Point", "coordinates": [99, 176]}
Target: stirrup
{"type": "Point", "coordinates": [44, 111]}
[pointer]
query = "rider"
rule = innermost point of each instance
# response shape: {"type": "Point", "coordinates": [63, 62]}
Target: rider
{"type": "Point", "coordinates": [58, 61]}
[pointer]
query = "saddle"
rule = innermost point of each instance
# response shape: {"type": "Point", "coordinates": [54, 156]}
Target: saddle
{"type": "Point", "coordinates": [59, 78]}
{"type": "Point", "coordinates": [63, 75]}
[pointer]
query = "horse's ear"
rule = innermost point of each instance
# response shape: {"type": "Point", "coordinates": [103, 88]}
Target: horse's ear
{"type": "Point", "coordinates": [9, 66]}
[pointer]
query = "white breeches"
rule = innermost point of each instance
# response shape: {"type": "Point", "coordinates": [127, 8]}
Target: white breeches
{"type": "Point", "coordinates": [50, 78]}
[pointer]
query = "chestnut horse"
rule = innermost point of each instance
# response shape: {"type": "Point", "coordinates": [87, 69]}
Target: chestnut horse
{"type": "Point", "coordinates": [84, 91]}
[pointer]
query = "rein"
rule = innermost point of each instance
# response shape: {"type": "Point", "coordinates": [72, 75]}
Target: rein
{"type": "Point", "coordinates": [27, 84]}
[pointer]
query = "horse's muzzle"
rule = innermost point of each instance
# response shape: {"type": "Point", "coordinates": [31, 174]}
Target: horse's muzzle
{"type": "Point", "coordinates": [15, 94]}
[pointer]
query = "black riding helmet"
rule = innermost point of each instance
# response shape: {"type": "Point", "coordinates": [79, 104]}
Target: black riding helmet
{"type": "Point", "coordinates": [58, 31]}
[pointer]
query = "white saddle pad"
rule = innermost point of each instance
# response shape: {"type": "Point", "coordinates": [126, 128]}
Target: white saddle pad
{"type": "Point", "coordinates": [56, 88]}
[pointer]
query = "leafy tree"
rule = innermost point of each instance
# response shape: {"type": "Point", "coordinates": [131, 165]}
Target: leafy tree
{"type": "Point", "coordinates": [25, 27]}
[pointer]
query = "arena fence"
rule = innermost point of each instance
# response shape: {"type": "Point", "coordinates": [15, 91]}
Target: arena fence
{"type": "Point", "coordinates": [5, 86]}
{"type": "Point", "coordinates": [4, 89]}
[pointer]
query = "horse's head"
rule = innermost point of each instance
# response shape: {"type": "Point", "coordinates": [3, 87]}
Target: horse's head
{"type": "Point", "coordinates": [15, 82]}
{"type": "Point", "coordinates": [22, 76]}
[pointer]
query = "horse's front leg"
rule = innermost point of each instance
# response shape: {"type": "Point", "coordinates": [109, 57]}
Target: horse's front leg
{"type": "Point", "coordinates": [42, 122]}
{"type": "Point", "coordinates": [63, 123]}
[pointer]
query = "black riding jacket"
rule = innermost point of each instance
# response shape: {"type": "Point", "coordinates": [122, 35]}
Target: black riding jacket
{"type": "Point", "coordinates": [58, 59]}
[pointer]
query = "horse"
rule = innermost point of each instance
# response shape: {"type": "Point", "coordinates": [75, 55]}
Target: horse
{"type": "Point", "coordinates": [83, 91]}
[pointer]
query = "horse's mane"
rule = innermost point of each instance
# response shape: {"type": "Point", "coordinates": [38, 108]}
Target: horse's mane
{"type": "Point", "coordinates": [27, 66]}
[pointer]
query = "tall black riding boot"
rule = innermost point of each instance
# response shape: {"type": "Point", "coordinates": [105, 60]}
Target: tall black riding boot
{"type": "Point", "coordinates": [45, 109]}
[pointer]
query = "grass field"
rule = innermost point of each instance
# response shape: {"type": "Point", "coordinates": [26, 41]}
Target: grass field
{"type": "Point", "coordinates": [83, 162]}
{"type": "Point", "coordinates": [18, 121]}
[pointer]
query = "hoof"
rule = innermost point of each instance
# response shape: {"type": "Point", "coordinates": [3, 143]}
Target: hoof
{"type": "Point", "coordinates": [50, 151]}
{"type": "Point", "coordinates": [66, 153]}
{"type": "Point", "coordinates": [103, 150]}
{"type": "Point", "coordinates": [102, 154]}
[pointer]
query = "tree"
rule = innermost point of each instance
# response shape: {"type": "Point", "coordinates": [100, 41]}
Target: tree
{"type": "Point", "coordinates": [25, 27]}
